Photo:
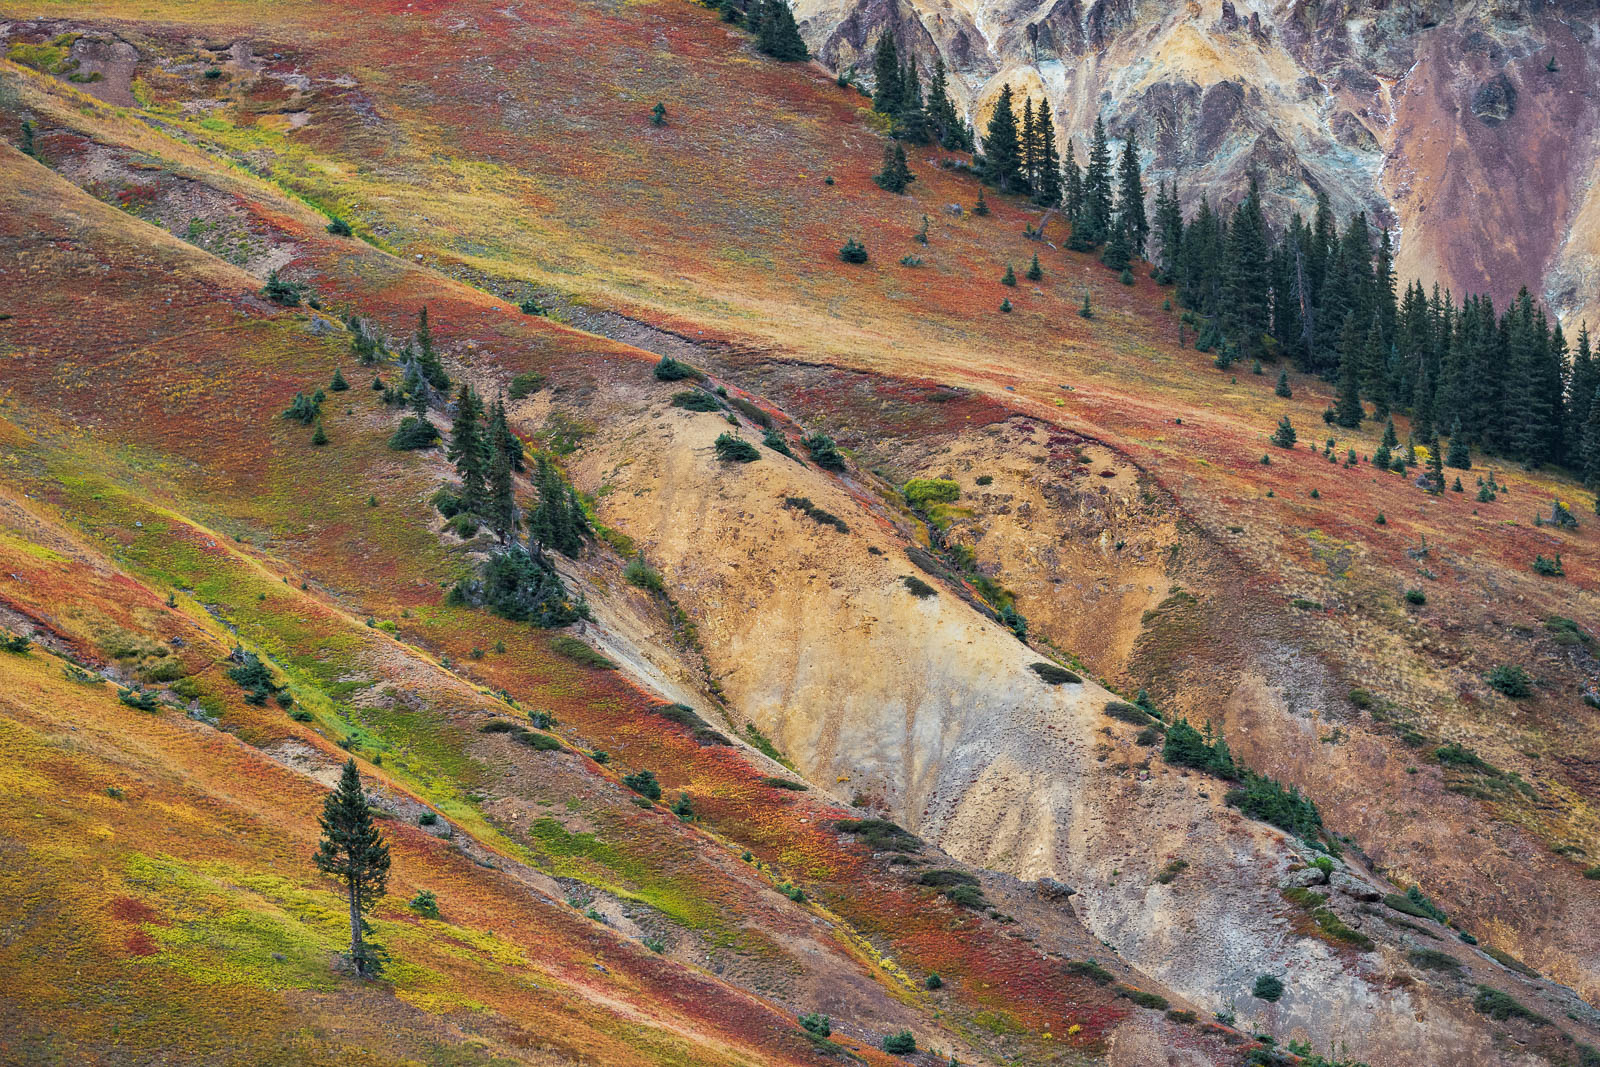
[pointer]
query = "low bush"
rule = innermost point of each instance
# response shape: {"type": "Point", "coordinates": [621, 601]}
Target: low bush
{"type": "Point", "coordinates": [1142, 998]}
{"type": "Point", "coordinates": [1502, 1006]}
{"type": "Point", "coordinates": [1430, 959]}
{"type": "Point", "coordinates": [412, 434]}
{"type": "Point", "coordinates": [1413, 902]}
{"type": "Point", "coordinates": [785, 783]}
{"type": "Point", "coordinates": [670, 370]}
{"type": "Point", "coordinates": [853, 252]}
{"type": "Point", "coordinates": [1054, 674]}
{"type": "Point", "coordinates": [15, 644]}
{"type": "Point", "coordinates": [880, 834]}
{"type": "Point", "coordinates": [524, 587]}
{"type": "Point", "coordinates": [921, 492]}
{"type": "Point", "coordinates": [919, 588]}
{"type": "Point", "coordinates": [425, 904]}
{"type": "Point", "coordinates": [816, 514]}
{"type": "Point", "coordinates": [695, 400]}
{"type": "Point", "coordinates": [644, 783]}
{"type": "Point", "coordinates": [537, 741]}
{"type": "Point", "coordinates": [933, 981]}
{"type": "Point", "coordinates": [525, 385]}
{"type": "Point", "coordinates": [735, 449]}
{"type": "Point", "coordinates": [1129, 713]}
{"type": "Point", "coordinates": [1454, 755]}
{"type": "Point", "coordinates": [1170, 872]}
{"type": "Point", "coordinates": [1268, 987]}
{"type": "Point", "coordinates": [138, 699]}
{"type": "Point", "coordinates": [1187, 747]}
{"type": "Point", "coordinates": [751, 412]}
{"type": "Point", "coordinates": [578, 652]}
{"type": "Point", "coordinates": [1550, 568]}
{"type": "Point", "coordinates": [824, 452]}
{"type": "Point", "coordinates": [641, 574]}
{"type": "Point", "coordinates": [1510, 962]}
{"type": "Point", "coordinates": [686, 717]}
{"type": "Point", "coordinates": [1091, 970]}
{"type": "Point", "coordinates": [498, 726]}
{"type": "Point", "coordinates": [820, 1025]}
{"type": "Point", "coordinates": [902, 1044]}
{"type": "Point", "coordinates": [1180, 1015]}
{"type": "Point", "coordinates": [1511, 680]}
{"type": "Point", "coordinates": [775, 440]}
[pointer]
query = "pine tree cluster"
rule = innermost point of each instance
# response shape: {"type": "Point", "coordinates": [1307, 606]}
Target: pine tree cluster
{"type": "Point", "coordinates": [772, 23]}
{"type": "Point", "coordinates": [897, 93]}
{"type": "Point", "coordinates": [1504, 382]}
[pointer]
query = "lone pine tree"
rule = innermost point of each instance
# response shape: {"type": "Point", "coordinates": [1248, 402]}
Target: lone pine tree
{"type": "Point", "coordinates": [353, 851]}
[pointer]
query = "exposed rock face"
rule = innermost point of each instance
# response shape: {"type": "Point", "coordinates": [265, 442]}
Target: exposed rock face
{"type": "Point", "coordinates": [1468, 128]}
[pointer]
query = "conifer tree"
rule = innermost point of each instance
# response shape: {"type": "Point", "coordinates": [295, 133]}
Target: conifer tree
{"type": "Point", "coordinates": [1347, 410]}
{"type": "Point", "coordinates": [658, 114]}
{"type": "Point", "coordinates": [502, 507]}
{"type": "Point", "coordinates": [1247, 279]}
{"type": "Point", "coordinates": [1034, 270]}
{"type": "Point", "coordinates": [1169, 231]}
{"type": "Point", "coordinates": [353, 850]}
{"type": "Point", "coordinates": [948, 128]}
{"type": "Point", "coordinates": [1097, 188]}
{"type": "Point", "coordinates": [1028, 147]}
{"type": "Point", "coordinates": [1589, 447]}
{"type": "Point", "coordinates": [1047, 189]}
{"type": "Point", "coordinates": [1583, 381]}
{"type": "Point", "coordinates": [1130, 197]}
{"type": "Point", "coordinates": [467, 449]}
{"type": "Point", "coordinates": [777, 35]}
{"type": "Point", "coordinates": [886, 91]}
{"type": "Point", "coordinates": [911, 121]}
{"type": "Point", "coordinates": [426, 358]}
{"type": "Point", "coordinates": [1072, 201]}
{"type": "Point", "coordinates": [1435, 467]}
{"type": "Point", "coordinates": [1002, 159]}
{"type": "Point", "coordinates": [1117, 249]}
{"type": "Point", "coordinates": [1284, 436]}
{"type": "Point", "coordinates": [895, 175]}
{"type": "Point", "coordinates": [1283, 389]}
{"type": "Point", "coordinates": [1460, 455]}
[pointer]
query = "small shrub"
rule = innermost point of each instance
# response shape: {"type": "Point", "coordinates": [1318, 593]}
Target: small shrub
{"type": "Point", "coordinates": [301, 715]}
{"type": "Point", "coordinates": [1147, 737]}
{"type": "Point", "coordinates": [880, 834]}
{"type": "Point", "coordinates": [785, 783]}
{"type": "Point", "coordinates": [337, 226]}
{"type": "Point", "coordinates": [1510, 962]}
{"type": "Point", "coordinates": [775, 440]}
{"type": "Point", "coordinates": [575, 650]}
{"type": "Point", "coordinates": [824, 453]}
{"type": "Point", "coordinates": [1413, 902]}
{"type": "Point", "coordinates": [644, 783]}
{"type": "Point", "coordinates": [138, 699]}
{"type": "Point", "coordinates": [1416, 596]}
{"type": "Point", "coordinates": [792, 891]}
{"type": "Point", "coordinates": [525, 385]}
{"type": "Point", "coordinates": [640, 574]}
{"type": "Point", "coordinates": [1091, 970]}
{"type": "Point", "coordinates": [671, 370]}
{"type": "Point", "coordinates": [425, 904]}
{"type": "Point", "coordinates": [1501, 1006]}
{"type": "Point", "coordinates": [919, 588]}
{"type": "Point", "coordinates": [921, 492]}
{"type": "Point", "coordinates": [1142, 998]}
{"type": "Point", "coordinates": [281, 292]}
{"type": "Point", "coordinates": [1268, 987]}
{"type": "Point", "coordinates": [1550, 568]}
{"type": "Point", "coordinates": [1129, 713]}
{"type": "Point", "coordinates": [427, 818]}
{"type": "Point", "coordinates": [813, 1023]}
{"type": "Point", "coordinates": [1054, 674]}
{"type": "Point", "coordinates": [15, 644]}
{"type": "Point", "coordinates": [900, 1044]}
{"type": "Point", "coordinates": [1180, 1015]}
{"type": "Point", "coordinates": [498, 726]}
{"type": "Point", "coordinates": [414, 433]}
{"type": "Point", "coordinates": [853, 252]}
{"type": "Point", "coordinates": [537, 741]}
{"type": "Point", "coordinates": [1433, 960]}
{"type": "Point", "coordinates": [933, 981]}
{"type": "Point", "coordinates": [695, 400]}
{"type": "Point", "coordinates": [735, 449]}
{"type": "Point", "coordinates": [1170, 872]}
{"type": "Point", "coordinates": [1511, 680]}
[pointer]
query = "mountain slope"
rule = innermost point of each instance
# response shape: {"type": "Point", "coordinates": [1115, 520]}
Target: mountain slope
{"type": "Point", "coordinates": [810, 633]}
